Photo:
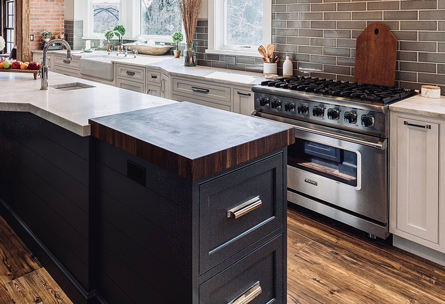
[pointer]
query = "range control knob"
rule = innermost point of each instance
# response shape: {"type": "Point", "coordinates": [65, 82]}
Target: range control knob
{"type": "Point", "coordinates": [264, 102]}
{"type": "Point", "coordinates": [289, 107]}
{"type": "Point", "coordinates": [350, 117]}
{"type": "Point", "coordinates": [303, 109]}
{"type": "Point", "coordinates": [333, 114]}
{"type": "Point", "coordinates": [318, 111]}
{"type": "Point", "coordinates": [368, 120]}
{"type": "Point", "coordinates": [275, 104]}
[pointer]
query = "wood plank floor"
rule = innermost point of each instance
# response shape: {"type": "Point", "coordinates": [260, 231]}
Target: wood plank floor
{"type": "Point", "coordinates": [327, 263]}
{"type": "Point", "coordinates": [330, 264]}
{"type": "Point", "coordinates": [22, 278]}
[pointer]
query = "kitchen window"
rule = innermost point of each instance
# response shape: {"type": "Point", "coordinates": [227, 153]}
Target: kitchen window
{"type": "Point", "coordinates": [239, 26]}
{"type": "Point", "coordinates": [161, 17]}
{"type": "Point", "coordinates": [106, 15]}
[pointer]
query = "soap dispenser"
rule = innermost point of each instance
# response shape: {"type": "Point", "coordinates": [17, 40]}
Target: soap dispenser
{"type": "Point", "coordinates": [288, 67]}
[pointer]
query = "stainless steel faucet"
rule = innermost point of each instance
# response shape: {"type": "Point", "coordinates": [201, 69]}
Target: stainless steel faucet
{"type": "Point", "coordinates": [121, 49]}
{"type": "Point", "coordinates": [44, 68]}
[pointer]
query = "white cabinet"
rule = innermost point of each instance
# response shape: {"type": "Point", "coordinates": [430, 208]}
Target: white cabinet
{"type": "Point", "coordinates": [417, 179]}
{"type": "Point", "coordinates": [200, 92]}
{"type": "Point", "coordinates": [154, 90]}
{"type": "Point", "coordinates": [243, 101]}
{"type": "Point", "coordinates": [165, 85]}
{"type": "Point", "coordinates": [130, 77]}
{"type": "Point", "coordinates": [59, 65]}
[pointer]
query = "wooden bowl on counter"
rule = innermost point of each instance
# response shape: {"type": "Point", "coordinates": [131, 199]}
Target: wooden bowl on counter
{"type": "Point", "coordinates": [149, 49]}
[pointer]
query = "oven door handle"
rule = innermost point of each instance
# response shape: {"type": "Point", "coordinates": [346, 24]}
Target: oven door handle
{"type": "Point", "coordinates": [299, 132]}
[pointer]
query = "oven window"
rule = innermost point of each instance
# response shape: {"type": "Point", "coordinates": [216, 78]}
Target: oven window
{"type": "Point", "coordinates": [327, 161]}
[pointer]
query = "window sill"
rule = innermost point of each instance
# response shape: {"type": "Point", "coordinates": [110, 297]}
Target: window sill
{"type": "Point", "coordinates": [234, 53]}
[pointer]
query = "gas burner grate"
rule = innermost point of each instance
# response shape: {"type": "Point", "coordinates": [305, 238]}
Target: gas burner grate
{"type": "Point", "coordinates": [353, 90]}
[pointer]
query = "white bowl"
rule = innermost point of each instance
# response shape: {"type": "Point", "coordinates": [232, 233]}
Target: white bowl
{"type": "Point", "coordinates": [149, 49]}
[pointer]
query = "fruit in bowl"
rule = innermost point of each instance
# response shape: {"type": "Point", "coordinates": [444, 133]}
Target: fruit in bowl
{"type": "Point", "coordinates": [6, 64]}
{"type": "Point", "coordinates": [33, 66]}
{"type": "Point", "coordinates": [16, 65]}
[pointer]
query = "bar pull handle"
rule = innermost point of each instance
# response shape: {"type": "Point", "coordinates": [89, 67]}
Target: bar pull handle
{"type": "Point", "coordinates": [417, 126]}
{"type": "Point", "coordinates": [254, 291]}
{"type": "Point", "coordinates": [245, 208]}
{"type": "Point", "coordinates": [199, 90]}
{"type": "Point", "coordinates": [131, 73]}
{"type": "Point", "coordinates": [154, 77]}
{"type": "Point", "coordinates": [243, 94]}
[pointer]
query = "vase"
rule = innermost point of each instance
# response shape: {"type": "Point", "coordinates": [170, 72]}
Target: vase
{"type": "Point", "coordinates": [190, 54]}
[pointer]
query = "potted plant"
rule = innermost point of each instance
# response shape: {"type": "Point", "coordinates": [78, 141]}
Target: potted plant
{"type": "Point", "coordinates": [121, 30]}
{"type": "Point", "coordinates": [108, 35]}
{"type": "Point", "coordinates": [177, 38]}
{"type": "Point", "coordinates": [46, 35]}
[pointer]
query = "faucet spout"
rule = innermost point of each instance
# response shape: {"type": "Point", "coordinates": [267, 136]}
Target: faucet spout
{"type": "Point", "coordinates": [44, 68]}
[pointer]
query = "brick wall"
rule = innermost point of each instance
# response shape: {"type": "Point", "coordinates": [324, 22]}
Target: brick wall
{"type": "Point", "coordinates": [45, 15]}
{"type": "Point", "coordinates": [321, 34]}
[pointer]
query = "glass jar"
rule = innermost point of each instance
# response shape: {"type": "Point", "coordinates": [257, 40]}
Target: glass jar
{"type": "Point", "coordinates": [190, 54]}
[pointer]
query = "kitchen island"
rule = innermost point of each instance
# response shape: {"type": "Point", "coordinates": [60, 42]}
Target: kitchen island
{"type": "Point", "coordinates": [165, 202]}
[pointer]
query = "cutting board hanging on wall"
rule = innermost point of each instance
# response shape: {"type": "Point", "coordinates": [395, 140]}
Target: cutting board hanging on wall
{"type": "Point", "coordinates": [376, 55]}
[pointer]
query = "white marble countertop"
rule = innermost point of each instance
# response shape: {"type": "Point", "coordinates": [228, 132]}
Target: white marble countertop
{"type": "Point", "coordinates": [70, 109]}
{"type": "Point", "coordinates": [175, 66]}
{"type": "Point", "coordinates": [431, 107]}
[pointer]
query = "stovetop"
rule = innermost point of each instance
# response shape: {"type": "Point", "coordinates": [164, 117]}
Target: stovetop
{"type": "Point", "coordinates": [350, 90]}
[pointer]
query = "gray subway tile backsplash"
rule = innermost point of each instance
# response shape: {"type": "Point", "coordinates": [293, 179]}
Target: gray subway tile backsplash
{"type": "Point", "coordinates": [321, 35]}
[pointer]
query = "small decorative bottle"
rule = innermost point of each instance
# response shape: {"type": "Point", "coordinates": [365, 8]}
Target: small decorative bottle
{"type": "Point", "coordinates": [288, 68]}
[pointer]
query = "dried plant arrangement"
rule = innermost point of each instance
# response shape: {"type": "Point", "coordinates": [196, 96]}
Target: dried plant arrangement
{"type": "Point", "coordinates": [190, 12]}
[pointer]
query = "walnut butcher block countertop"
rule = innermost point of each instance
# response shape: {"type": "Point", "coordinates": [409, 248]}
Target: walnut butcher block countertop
{"type": "Point", "coordinates": [190, 140]}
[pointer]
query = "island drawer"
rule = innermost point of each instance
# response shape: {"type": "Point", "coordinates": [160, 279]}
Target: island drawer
{"type": "Point", "coordinates": [239, 209]}
{"type": "Point", "coordinates": [153, 77]}
{"type": "Point", "coordinates": [207, 103]}
{"type": "Point", "coordinates": [202, 90]}
{"type": "Point", "coordinates": [131, 73]}
{"type": "Point", "coordinates": [258, 275]}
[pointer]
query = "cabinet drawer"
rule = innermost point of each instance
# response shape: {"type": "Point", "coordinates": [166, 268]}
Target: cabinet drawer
{"type": "Point", "coordinates": [203, 91]}
{"type": "Point", "coordinates": [257, 190]}
{"type": "Point", "coordinates": [130, 73]}
{"type": "Point", "coordinates": [58, 60]}
{"type": "Point", "coordinates": [131, 85]}
{"type": "Point", "coordinates": [66, 70]}
{"type": "Point", "coordinates": [153, 77]}
{"type": "Point", "coordinates": [178, 97]}
{"type": "Point", "coordinates": [262, 269]}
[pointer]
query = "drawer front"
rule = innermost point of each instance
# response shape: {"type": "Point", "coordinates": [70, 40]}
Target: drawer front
{"type": "Point", "coordinates": [153, 77]}
{"type": "Point", "coordinates": [203, 91]}
{"type": "Point", "coordinates": [131, 85]}
{"type": "Point", "coordinates": [240, 208]}
{"type": "Point", "coordinates": [66, 70]}
{"type": "Point", "coordinates": [178, 97]}
{"type": "Point", "coordinates": [260, 274]}
{"type": "Point", "coordinates": [58, 60]}
{"type": "Point", "coordinates": [130, 73]}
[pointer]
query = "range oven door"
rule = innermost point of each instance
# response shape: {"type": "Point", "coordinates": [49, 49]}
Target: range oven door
{"type": "Point", "coordinates": [341, 170]}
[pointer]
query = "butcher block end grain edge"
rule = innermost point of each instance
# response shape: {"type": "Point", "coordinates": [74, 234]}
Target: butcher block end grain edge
{"type": "Point", "coordinates": [191, 140]}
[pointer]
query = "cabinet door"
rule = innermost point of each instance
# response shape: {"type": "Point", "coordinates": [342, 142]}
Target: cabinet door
{"type": "Point", "coordinates": [153, 90]}
{"type": "Point", "coordinates": [418, 178]}
{"type": "Point", "coordinates": [165, 85]}
{"type": "Point", "coordinates": [130, 85]}
{"type": "Point", "coordinates": [243, 101]}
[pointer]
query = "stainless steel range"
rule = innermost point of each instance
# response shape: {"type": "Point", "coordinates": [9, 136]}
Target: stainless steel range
{"type": "Point", "coordinates": [338, 165]}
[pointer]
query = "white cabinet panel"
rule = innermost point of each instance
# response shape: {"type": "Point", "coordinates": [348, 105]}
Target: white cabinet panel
{"type": "Point", "coordinates": [418, 178]}
{"type": "Point", "coordinates": [243, 101]}
{"type": "Point", "coordinates": [153, 90]}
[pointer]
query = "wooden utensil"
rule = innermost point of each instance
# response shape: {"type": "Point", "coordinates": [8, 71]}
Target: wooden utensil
{"type": "Point", "coordinates": [270, 49]}
{"type": "Point", "coordinates": [262, 51]}
{"type": "Point", "coordinates": [376, 54]}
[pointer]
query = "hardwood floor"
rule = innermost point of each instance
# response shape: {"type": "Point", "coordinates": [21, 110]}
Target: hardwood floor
{"type": "Point", "coordinates": [22, 278]}
{"type": "Point", "coordinates": [326, 264]}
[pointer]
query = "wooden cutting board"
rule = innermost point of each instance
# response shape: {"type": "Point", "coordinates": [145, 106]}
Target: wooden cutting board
{"type": "Point", "coordinates": [376, 55]}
